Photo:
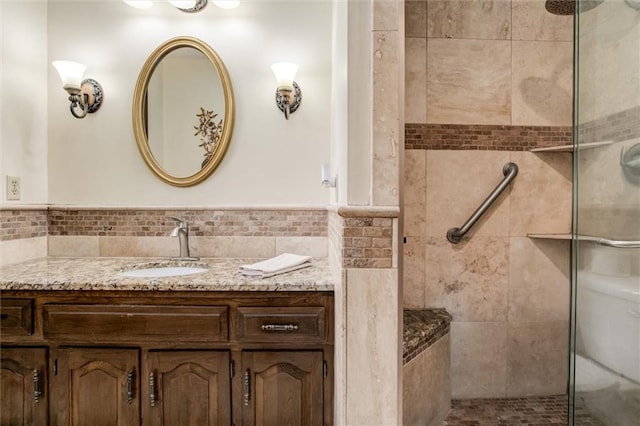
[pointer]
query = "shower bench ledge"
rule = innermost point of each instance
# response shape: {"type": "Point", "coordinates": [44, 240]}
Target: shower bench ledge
{"type": "Point", "coordinates": [425, 366]}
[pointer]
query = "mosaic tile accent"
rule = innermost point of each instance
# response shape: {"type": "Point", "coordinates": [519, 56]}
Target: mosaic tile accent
{"type": "Point", "coordinates": [362, 237]}
{"type": "Point", "coordinates": [367, 242]}
{"type": "Point", "coordinates": [484, 137]}
{"type": "Point", "coordinates": [422, 328]}
{"type": "Point", "coordinates": [22, 224]}
{"type": "Point", "coordinates": [546, 410]}
{"type": "Point", "coordinates": [271, 223]}
{"type": "Point", "coordinates": [152, 223]}
{"type": "Point", "coordinates": [621, 126]}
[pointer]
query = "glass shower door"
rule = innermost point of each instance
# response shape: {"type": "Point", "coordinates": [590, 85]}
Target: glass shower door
{"type": "Point", "coordinates": [605, 323]}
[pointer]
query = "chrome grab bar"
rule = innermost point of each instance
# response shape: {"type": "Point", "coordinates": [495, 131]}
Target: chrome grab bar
{"type": "Point", "coordinates": [510, 170]}
{"type": "Point", "coordinates": [611, 243]}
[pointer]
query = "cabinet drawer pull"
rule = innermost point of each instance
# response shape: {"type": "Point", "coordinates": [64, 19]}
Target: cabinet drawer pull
{"type": "Point", "coordinates": [4, 316]}
{"type": "Point", "coordinates": [152, 389]}
{"type": "Point", "coordinates": [130, 386]}
{"type": "Point", "coordinates": [279, 327]}
{"type": "Point", "coordinates": [37, 386]}
{"type": "Point", "coordinates": [247, 387]}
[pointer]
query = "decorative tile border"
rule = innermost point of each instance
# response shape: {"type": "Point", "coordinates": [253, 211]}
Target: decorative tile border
{"type": "Point", "coordinates": [367, 242]}
{"type": "Point", "coordinates": [22, 224]}
{"type": "Point", "coordinates": [363, 236]}
{"type": "Point", "coordinates": [621, 126]}
{"type": "Point", "coordinates": [484, 137]}
{"type": "Point", "coordinates": [271, 223]}
{"type": "Point", "coordinates": [25, 223]}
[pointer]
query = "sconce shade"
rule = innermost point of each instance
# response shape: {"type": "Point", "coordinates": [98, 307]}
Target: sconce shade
{"type": "Point", "coordinates": [288, 93]}
{"type": "Point", "coordinates": [227, 4]}
{"type": "Point", "coordinates": [139, 4]}
{"type": "Point", "coordinates": [285, 73]}
{"type": "Point", "coordinates": [70, 73]}
{"type": "Point", "coordinates": [85, 96]}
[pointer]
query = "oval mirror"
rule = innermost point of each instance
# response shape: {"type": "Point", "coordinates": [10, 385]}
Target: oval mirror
{"type": "Point", "coordinates": [183, 111]}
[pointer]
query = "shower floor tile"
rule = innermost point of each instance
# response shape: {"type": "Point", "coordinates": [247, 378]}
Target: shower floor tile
{"type": "Point", "coordinates": [547, 410]}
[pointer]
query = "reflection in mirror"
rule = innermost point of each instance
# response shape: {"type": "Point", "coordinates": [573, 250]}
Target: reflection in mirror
{"type": "Point", "coordinates": [183, 111]}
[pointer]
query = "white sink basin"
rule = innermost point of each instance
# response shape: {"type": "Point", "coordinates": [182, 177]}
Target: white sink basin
{"type": "Point", "coordinates": [162, 271]}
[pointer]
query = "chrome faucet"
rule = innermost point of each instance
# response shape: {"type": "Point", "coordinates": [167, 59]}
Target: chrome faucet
{"type": "Point", "coordinates": [182, 232]}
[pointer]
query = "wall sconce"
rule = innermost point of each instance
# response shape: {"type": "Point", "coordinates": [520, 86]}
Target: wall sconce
{"type": "Point", "coordinates": [189, 6]}
{"type": "Point", "coordinates": [288, 94]}
{"type": "Point", "coordinates": [84, 95]}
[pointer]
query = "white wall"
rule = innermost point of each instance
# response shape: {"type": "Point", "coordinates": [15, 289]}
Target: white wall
{"type": "Point", "coordinates": [23, 99]}
{"type": "Point", "coordinates": [270, 161]}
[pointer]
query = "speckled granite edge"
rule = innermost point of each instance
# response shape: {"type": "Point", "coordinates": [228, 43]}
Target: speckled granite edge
{"type": "Point", "coordinates": [102, 274]}
{"type": "Point", "coordinates": [422, 328]}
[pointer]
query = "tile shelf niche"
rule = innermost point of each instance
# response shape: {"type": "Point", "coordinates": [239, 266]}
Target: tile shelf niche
{"type": "Point", "coordinates": [566, 148]}
{"type": "Point", "coordinates": [571, 148]}
{"type": "Point", "coordinates": [551, 236]}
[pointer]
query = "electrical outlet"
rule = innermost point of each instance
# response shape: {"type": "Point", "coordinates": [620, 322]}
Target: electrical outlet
{"type": "Point", "coordinates": [13, 188]}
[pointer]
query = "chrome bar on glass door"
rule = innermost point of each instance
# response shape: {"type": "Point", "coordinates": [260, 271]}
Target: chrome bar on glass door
{"type": "Point", "coordinates": [610, 243]}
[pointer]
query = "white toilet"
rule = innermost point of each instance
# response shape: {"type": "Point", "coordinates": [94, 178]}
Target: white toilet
{"type": "Point", "coordinates": [608, 309]}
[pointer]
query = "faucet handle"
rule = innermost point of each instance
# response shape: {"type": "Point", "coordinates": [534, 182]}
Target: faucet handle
{"type": "Point", "coordinates": [180, 222]}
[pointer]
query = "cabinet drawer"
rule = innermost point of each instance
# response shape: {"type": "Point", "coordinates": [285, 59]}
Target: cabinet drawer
{"type": "Point", "coordinates": [16, 317]}
{"type": "Point", "coordinates": [115, 323]}
{"type": "Point", "coordinates": [281, 324]}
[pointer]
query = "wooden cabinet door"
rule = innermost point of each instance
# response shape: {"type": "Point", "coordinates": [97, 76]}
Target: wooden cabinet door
{"type": "Point", "coordinates": [187, 388]}
{"type": "Point", "coordinates": [23, 380]}
{"type": "Point", "coordinates": [96, 386]}
{"type": "Point", "coordinates": [282, 388]}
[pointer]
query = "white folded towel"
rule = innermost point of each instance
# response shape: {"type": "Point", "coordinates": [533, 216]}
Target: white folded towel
{"type": "Point", "coordinates": [286, 262]}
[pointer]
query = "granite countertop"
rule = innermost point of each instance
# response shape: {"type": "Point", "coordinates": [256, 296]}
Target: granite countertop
{"type": "Point", "coordinates": [422, 327]}
{"type": "Point", "coordinates": [102, 274]}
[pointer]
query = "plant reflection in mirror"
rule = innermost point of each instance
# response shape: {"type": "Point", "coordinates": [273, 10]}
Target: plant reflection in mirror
{"type": "Point", "coordinates": [209, 132]}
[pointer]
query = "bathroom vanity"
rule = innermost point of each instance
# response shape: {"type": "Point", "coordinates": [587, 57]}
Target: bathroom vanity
{"type": "Point", "coordinates": [83, 345]}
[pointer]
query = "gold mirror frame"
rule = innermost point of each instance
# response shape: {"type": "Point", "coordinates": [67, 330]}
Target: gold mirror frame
{"type": "Point", "coordinates": [139, 113]}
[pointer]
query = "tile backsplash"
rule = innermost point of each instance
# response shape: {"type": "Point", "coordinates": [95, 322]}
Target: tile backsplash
{"type": "Point", "coordinates": [364, 239]}
{"type": "Point", "coordinates": [202, 223]}
{"type": "Point", "coordinates": [22, 224]}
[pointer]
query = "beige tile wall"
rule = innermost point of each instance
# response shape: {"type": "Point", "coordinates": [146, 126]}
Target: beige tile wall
{"type": "Point", "coordinates": [426, 387]}
{"type": "Point", "coordinates": [367, 294]}
{"type": "Point", "coordinates": [23, 235]}
{"type": "Point", "coordinates": [16, 251]}
{"type": "Point", "coordinates": [505, 63]}
{"type": "Point", "coordinates": [496, 277]}
{"type": "Point", "coordinates": [490, 62]}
